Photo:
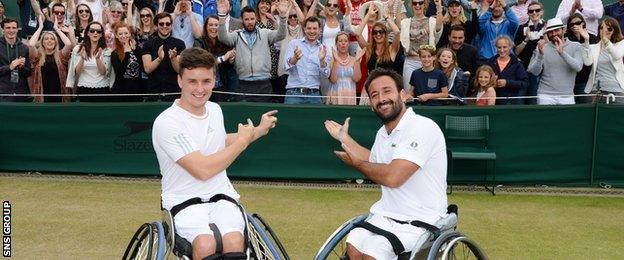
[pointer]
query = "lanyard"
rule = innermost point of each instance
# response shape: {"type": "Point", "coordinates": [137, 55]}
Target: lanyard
{"type": "Point", "coordinates": [9, 54]}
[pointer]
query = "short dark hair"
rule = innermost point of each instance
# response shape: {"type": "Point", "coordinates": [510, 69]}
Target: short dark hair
{"type": "Point", "coordinates": [311, 19]}
{"type": "Point", "coordinates": [7, 20]}
{"type": "Point", "coordinates": [458, 27]}
{"type": "Point", "coordinates": [161, 16]}
{"type": "Point", "coordinates": [396, 77]}
{"type": "Point", "coordinates": [196, 58]}
{"type": "Point", "coordinates": [247, 9]}
{"type": "Point", "coordinates": [58, 4]}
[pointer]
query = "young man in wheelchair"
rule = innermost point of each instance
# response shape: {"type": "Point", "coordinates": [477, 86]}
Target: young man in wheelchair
{"type": "Point", "coordinates": [193, 152]}
{"type": "Point", "coordinates": [408, 160]}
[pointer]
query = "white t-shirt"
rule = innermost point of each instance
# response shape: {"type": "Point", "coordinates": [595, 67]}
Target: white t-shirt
{"type": "Point", "coordinates": [176, 133]}
{"type": "Point", "coordinates": [423, 196]}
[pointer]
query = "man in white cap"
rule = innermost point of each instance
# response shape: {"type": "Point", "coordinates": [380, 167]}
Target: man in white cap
{"type": "Point", "coordinates": [558, 60]}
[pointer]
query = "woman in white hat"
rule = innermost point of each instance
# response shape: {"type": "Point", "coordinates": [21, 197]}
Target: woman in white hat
{"type": "Point", "coordinates": [607, 69]}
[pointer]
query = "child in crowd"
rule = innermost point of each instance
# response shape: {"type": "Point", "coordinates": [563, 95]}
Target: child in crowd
{"type": "Point", "coordinates": [428, 83]}
{"type": "Point", "coordinates": [484, 82]}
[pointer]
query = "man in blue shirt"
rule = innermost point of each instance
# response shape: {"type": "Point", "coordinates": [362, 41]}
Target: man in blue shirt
{"type": "Point", "coordinates": [492, 24]}
{"type": "Point", "coordinates": [306, 62]}
{"type": "Point", "coordinates": [616, 10]}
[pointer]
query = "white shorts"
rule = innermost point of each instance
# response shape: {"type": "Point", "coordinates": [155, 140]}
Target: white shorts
{"type": "Point", "coordinates": [194, 220]}
{"type": "Point", "coordinates": [378, 246]}
{"type": "Point", "coordinates": [545, 99]}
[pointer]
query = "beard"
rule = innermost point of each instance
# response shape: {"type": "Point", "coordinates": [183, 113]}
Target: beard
{"type": "Point", "coordinates": [395, 111]}
{"type": "Point", "coordinates": [250, 28]}
{"type": "Point", "coordinates": [552, 38]}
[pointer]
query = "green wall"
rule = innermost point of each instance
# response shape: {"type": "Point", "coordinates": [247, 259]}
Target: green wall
{"type": "Point", "coordinates": [534, 144]}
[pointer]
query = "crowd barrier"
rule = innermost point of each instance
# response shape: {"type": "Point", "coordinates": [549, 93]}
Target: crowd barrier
{"type": "Point", "coordinates": [563, 145]}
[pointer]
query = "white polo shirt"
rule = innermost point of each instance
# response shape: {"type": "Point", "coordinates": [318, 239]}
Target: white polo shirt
{"type": "Point", "coordinates": [176, 133]}
{"type": "Point", "coordinates": [423, 196]}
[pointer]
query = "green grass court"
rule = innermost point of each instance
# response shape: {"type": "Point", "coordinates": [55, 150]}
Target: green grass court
{"type": "Point", "coordinates": [79, 218]}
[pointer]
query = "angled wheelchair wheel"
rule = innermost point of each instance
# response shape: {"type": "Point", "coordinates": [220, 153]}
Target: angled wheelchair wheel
{"type": "Point", "coordinates": [147, 243]}
{"type": "Point", "coordinates": [335, 247]}
{"type": "Point", "coordinates": [455, 246]}
{"type": "Point", "coordinates": [263, 245]}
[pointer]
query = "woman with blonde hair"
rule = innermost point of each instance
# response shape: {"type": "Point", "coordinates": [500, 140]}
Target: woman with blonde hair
{"type": "Point", "coordinates": [484, 83]}
{"type": "Point", "coordinates": [50, 64]}
{"type": "Point", "coordinates": [145, 28]}
{"type": "Point", "coordinates": [607, 70]}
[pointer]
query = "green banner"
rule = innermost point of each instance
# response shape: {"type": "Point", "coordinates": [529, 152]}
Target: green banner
{"type": "Point", "coordinates": [567, 145]}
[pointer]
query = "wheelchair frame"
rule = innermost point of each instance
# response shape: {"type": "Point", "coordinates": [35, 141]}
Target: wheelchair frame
{"type": "Point", "coordinates": [155, 240]}
{"type": "Point", "coordinates": [435, 246]}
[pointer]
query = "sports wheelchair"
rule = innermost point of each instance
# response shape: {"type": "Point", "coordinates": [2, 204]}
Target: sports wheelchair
{"type": "Point", "coordinates": [441, 241]}
{"type": "Point", "coordinates": [157, 240]}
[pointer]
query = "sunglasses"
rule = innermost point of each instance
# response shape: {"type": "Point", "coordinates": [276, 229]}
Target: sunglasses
{"type": "Point", "coordinates": [59, 13]}
{"type": "Point", "coordinates": [84, 11]}
{"type": "Point", "coordinates": [576, 23]}
{"type": "Point", "coordinates": [535, 11]}
{"type": "Point", "coordinates": [418, 2]}
{"type": "Point", "coordinates": [95, 31]}
{"type": "Point", "coordinates": [145, 15]}
{"type": "Point", "coordinates": [294, 16]}
{"type": "Point", "coordinates": [332, 5]}
{"type": "Point", "coordinates": [124, 4]}
{"type": "Point", "coordinates": [609, 29]}
{"type": "Point", "coordinates": [163, 24]}
{"type": "Point", "coordinates": [116, 12]}
{"type": "Point", "coordinates": [379, 32]}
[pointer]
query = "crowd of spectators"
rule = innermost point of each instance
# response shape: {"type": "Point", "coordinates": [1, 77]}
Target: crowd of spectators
{"type": "Point", "coordinates": [484, 52]}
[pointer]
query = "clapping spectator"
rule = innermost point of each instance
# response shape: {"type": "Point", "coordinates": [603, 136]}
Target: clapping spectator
{"type": "Point", "coordinates": [90, 70]}
{"type": "Point", "coordinates": [295, 31]}
{"type": "Point", "coordinates": [520, 9]}
{"type": "Point", "coordinates": [557, 60]}
{"type": "Point", "coordinates": [576, 28]}
{"type": "Point", "coordinates": [49, 63]}
{"type": "Point", "coordinates": [160, 59]}
{"type": "Point", "coordinates": [607, 69]}
{"type": "Point", "coordinates": [253, 58]}
{"type": "Point", "coordinates": [224, 55]}
{"type": "Point", "coordinates": [527, 37]}
{"type": "Point", "coordinates": [345, 72]}
{"type": "Point", "coordinates": [127, 64]}
{"type": "Point", "coordinates": [15, 63]}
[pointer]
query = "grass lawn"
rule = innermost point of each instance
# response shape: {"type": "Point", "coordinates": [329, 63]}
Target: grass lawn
{"type": "Point", "coordinates": [94, 219]}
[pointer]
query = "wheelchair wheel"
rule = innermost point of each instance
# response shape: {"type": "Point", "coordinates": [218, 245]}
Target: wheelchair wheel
{"type": "Point", "coordinates": [270, 236]}
{"type": "Point", "coordinates": [335, 247]}
{"type": "Point", "coordinates": [262, 248]}
{"type": "Point", "coordinates": [147, 243]}
{"type": "Point", "coordinates": [456, 246]}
